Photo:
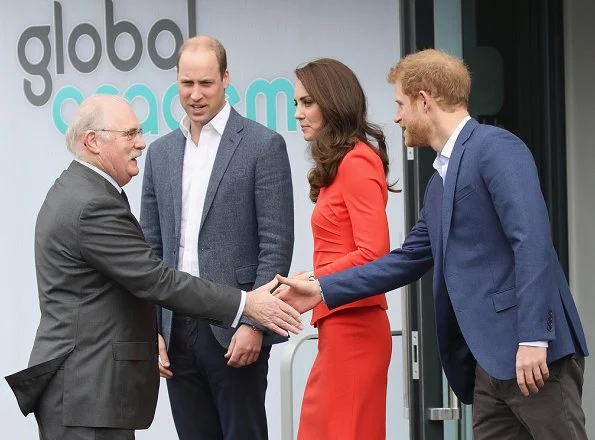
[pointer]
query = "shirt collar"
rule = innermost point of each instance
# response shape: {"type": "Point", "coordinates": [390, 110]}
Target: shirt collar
{"type": "Point", "coordinates": [450, 143]}
{"type": "Point", "coordinates": [102, 173]}
{"type": "Point", "coordinates": [441, 162]}
{"type": "Point", "coordinates": [218, 122]}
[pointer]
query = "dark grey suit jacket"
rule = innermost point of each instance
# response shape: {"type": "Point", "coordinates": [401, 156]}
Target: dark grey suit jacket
{"type": "Point", "coordinates": [98, 283]}
{"type": "Point", "coordinates": [246, 233]}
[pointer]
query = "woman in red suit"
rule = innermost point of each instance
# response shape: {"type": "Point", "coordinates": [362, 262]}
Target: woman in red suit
{"type": "Point", "coordinates": [345, 397]}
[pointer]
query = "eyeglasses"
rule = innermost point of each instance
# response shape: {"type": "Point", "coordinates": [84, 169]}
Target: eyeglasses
{"type": "Point", "coordinates": [129, 134]}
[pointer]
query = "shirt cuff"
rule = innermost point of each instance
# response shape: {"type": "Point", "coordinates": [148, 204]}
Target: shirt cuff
{"type": "Point", "coordinates": [235, 322]}
{"type": "Point", "coordinates": [535, 344]}
{"type": "Point", "coordinates": [320, 290]}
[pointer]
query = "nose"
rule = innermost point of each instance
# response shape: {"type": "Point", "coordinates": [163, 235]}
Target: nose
{"type": "Point", "coordinates": [139, 143]}
{"type": "Point", "coordinates": [397, 117]}
{"type": "Point", "coordinates": [196, 93]}
{"type": "Point", "coordinates": [298, 113]}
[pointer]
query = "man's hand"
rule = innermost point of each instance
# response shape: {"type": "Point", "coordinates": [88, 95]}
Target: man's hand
{"type": "Point", "coordinates": [271, 312]}
{"type": "Point", "coordinates": [301, 294]}
{"type": "Point", "coordinates": [531, 368]}
{"type": "Point", "coordinates": [244, 347]}
{"type": "Point", "coordinates": [301, 275]}
{"type": "Point", "coordinates": [164, 370]}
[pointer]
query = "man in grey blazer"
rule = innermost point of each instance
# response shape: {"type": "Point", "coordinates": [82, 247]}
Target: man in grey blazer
{"type": "Point", "coordinates": [217, 200]}
{"type": "Point", "coordinates": [93, 369]}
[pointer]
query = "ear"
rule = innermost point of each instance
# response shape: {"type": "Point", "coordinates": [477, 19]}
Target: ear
{"type": "Point", "coordinates": [226, 79]}
{"type": "Point", "coordinates": [425, 100]}
{"type": "Point", "coordinates": [90, 142]}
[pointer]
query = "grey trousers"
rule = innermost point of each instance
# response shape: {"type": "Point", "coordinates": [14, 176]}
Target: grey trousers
{"type": "Point", "coordinates": [501, 412]}
{"type": "Point", "coordinates": [49, 418]}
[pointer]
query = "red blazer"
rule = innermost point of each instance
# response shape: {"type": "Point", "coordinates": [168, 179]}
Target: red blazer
{"type": "Point", "coordinates": [349, 221]}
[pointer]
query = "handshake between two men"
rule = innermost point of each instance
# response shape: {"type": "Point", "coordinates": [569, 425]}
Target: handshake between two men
{"type": "Point", "coordinates": [279, 312]}
{"type": "Point", "coordinates": [276, 312]}
{"type": "Point", "coordinates": [291, 297]}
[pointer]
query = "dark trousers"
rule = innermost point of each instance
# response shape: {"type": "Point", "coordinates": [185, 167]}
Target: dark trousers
{"type": "Point", "coordinates": [49, 418]}
{"type": "Point", "coordinates": [209, 399]}
{"type": "Point", "coordinates": [501, 412]}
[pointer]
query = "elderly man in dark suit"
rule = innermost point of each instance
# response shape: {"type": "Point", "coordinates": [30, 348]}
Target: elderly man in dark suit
{"type": "Point", "coordinates": [217, 200]}
{"type": "Point", "coordinates": [93, 371]}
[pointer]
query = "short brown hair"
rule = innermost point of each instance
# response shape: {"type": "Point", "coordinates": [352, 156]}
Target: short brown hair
{"type": "Point", "coordinates": [205, 43]}
{"type": "Point", "coordinates": [443, 76]}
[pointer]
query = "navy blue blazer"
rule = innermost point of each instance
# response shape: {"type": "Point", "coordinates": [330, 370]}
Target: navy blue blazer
{"type": "Point", "coordinates": [497, 280]}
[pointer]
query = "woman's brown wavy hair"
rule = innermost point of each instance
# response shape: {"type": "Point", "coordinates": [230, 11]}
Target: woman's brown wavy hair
{"type": "Point", "coordinates": [338, 93]}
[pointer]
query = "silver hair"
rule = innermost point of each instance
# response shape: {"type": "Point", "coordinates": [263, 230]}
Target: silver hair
{"type": "Point", "coordinates": [90, 115]}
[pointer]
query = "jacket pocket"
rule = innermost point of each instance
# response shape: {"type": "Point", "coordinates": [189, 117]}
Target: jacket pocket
{"type": "Point", "coordinates": [246, 274]}
{"type": "Point", "coordinates": [505, 299]}
{"type": "Point", "coordinates": [464, 192]}
{"type": "Point", "coordinates": [131, 351]}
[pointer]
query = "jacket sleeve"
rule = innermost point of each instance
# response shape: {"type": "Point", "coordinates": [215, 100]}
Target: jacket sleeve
{"type": "Point", "coordinates": [149, 210]}
{"type": "Point", "coordinates": [273, 195]}
{"type": "Point", "coordinates": [396, 269]}
{"type": "Point", "coordinates": [149, 220]}
{"type": "Point", "coordinates": [510, 175]}
{"type": "Point", "coordinates": [112, 243]}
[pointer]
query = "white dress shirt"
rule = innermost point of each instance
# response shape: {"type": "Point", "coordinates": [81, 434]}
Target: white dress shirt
{"type": "Point", "coordinates": [441, 165]}
{"type": "Point", "coordinates": [196, 172]}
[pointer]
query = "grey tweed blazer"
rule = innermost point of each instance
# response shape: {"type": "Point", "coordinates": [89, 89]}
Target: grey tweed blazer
{"type": "Point", "coordinates": [246, 233]}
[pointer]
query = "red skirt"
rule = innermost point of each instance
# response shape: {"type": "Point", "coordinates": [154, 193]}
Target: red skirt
{"type": "Point", "coordinates": [345, 396]}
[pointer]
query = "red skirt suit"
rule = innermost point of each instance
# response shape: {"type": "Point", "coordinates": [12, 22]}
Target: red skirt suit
{"type": "Point", "coordinates": [345, 397]}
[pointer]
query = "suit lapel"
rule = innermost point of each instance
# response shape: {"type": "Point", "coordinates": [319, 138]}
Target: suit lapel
{"type": "Point", "coordinates": [89, 174]}
{"type": "Point", "coordinates": [451, 178]}
{"type": "Point", "coordinates": [176, 165]}
{"type": "Point", "coordinates": [229, 142]}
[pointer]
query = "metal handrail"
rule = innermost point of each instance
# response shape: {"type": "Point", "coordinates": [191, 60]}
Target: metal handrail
{"type": "Point", "coordinates": [286, 382]}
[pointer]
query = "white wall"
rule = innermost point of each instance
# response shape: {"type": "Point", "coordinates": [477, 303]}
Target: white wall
{"type": "Point", "coordinates": [580, 98]}
{"type": "Point", "coordinates": [265, 40]}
